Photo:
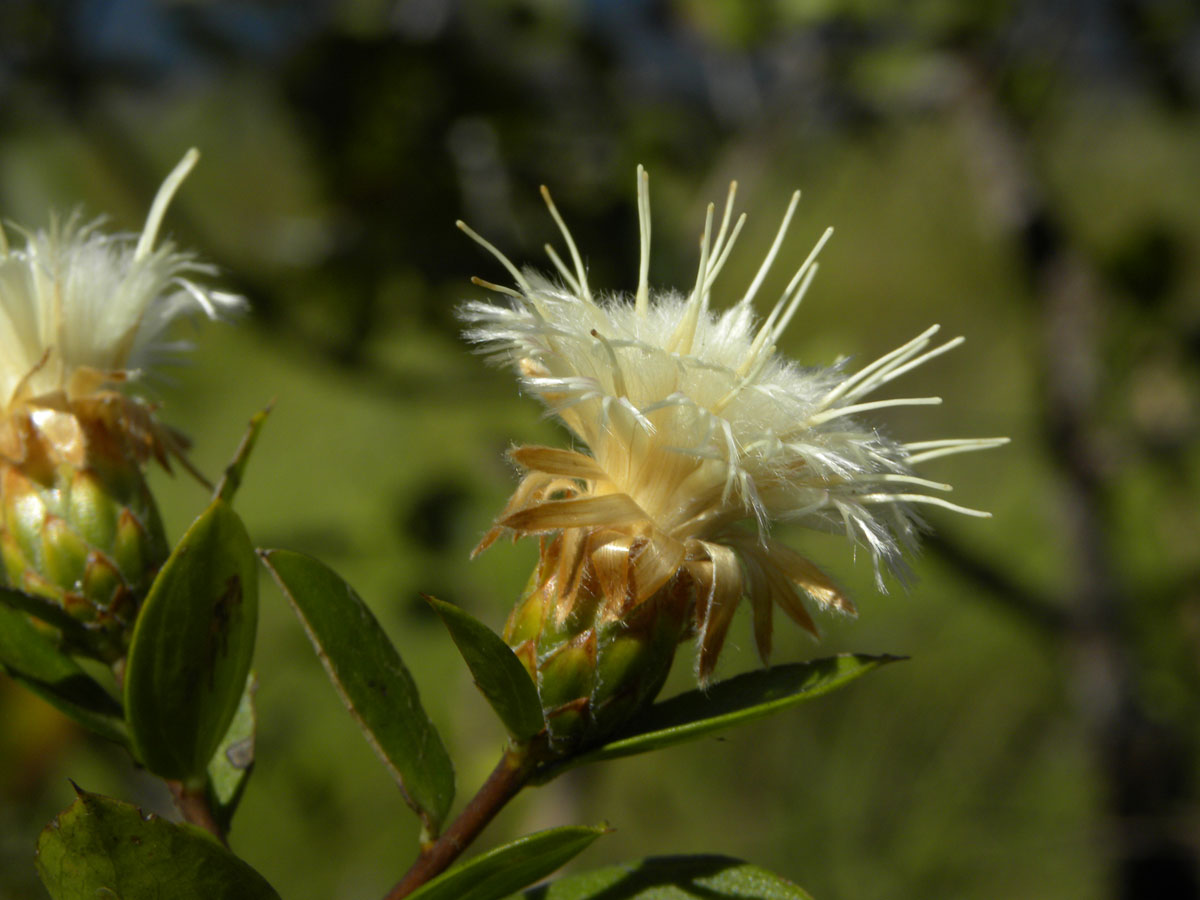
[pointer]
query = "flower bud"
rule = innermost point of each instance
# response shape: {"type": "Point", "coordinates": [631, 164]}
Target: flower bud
{"type": "Point", "coordinates": [79, 528]}
{"type": "Point", "coordinates": [596, 659]}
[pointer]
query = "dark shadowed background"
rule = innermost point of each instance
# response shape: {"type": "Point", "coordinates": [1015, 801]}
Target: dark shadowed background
{"type": "Point", "coordinates": [1025, 173]}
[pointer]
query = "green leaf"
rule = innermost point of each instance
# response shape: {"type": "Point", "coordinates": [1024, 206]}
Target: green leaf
{"type": "Point", "coordinates": [499, 675]}
{"type": "Point", "coordinates": [742, 698]}
{"type": "Point", "coordinates": [372, 680]}
{"type": "Point", "coordinates": [498, 873]}
{"type": "Point", "coordinates": [672, 878]}
{"type": "Point", "coordinates": [74, 633]}
{"type": "Point", "coordinates": [33, 660]}
{"type": "Point", "coordinates": [192, 646]}
{"type": "Point", "coordinates": [231, 480]}
{"type": "Point", "coordinates": [230, 767]}
{"type": "Point", "coordinates": [101, 848]}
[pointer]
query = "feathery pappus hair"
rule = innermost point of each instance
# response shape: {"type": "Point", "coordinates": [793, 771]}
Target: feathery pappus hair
{"type": "Point", "coordinates": [83, 310]}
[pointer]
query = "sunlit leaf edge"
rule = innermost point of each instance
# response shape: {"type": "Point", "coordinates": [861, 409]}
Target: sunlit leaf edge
{"type": "Point", "coordinates": [670, 722]}
{"type": "Point", "coordinates": [511, 867]}
{"type": "Point", "coordinates": [132, 845]}
{"type": "Point", "coordinates": [654, 878]}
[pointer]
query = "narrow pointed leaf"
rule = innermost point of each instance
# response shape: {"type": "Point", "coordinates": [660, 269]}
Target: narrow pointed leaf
{"type": "Point", "coordinates": [230, 767]}
{"type": "Point", "coordinates": [371, 678]}
{"type": "Point", "coordinates": [33, 660]}
{"type": "Point", "coordinates": [742, 698]}
{"type": "Point", "coordinates": [506, 869]}
{"type": "Point", "coordinates": [101, 848]}
{"type": "Point", "coordinates": [192, 646]}
{"type": "Point", "coordinates": [499, 675]}
{"type": "Point", "coordinates": [231, 480]}
{"type": "Point", "coordinates": [672, 878]}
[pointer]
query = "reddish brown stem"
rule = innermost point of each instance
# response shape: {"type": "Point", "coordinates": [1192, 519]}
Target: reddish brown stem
{"type": "Point", "coordinates": [193, 804]}
{"type": "Point", "coordinates": [506, 780]}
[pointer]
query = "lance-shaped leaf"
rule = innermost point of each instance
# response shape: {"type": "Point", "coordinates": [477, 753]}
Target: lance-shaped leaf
{"type": "Point", "coordinates": [192, 646]}
{"type": "Point", "coordinates": [499, 675]}
{"type": "Point", "coordinates": [672, 878]}
{"type": "Point", "coordinates": [101, 848]}
{"type": "Point", "coordinates": [371, 678]}
{"type": "Point", "coordinates": [230, 767]}
{"type": "Point", "coordinates": [33, 660]}
{"type": "Point", "coordinates": [499, 872]}
{"type": "Point", "coordinates": [231, 480]}
{"type": "Point", "coordinates": [742, 698]}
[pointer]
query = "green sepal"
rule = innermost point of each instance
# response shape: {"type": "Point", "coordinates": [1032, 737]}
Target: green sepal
{"type": "Point", "coordinates": [743, 698]}
{"type": "Point", "coordinates": [33, 660]}
{"type": "Point", "coordinates": [102, 848]}
{"type": "Point", "coordinates": [130, 543]}
{"type": "Point", "coordinates": [64, 554]}
{"type": "Point", "coordinates": [230, 767]}
{"type": "Point", "coordinates": [672, 878]}
{"type": "Point", "coordinates": [23, 523]}
{"type": "Point", "coordinates": [498, 673]}
{"type": "Point", "coordinates": [497, 873]}
{"type": "Point", "coordinates": [192, 646]}
{"type": "Point", "coordinates": [91, 510]}
{"type": "Point", "coordinates": [568, 672]}
{"type": "Point", "coordinates": [372, 680]}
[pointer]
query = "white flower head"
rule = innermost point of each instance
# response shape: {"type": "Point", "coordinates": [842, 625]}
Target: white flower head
{"type": "Point", "coordinates": [81, 309]}
{"type": "Point", "coordinates": [698, 435]}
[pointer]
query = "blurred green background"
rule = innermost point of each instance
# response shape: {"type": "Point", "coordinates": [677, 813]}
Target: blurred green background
{"type": "Point", "coordinates": [1025, 173]}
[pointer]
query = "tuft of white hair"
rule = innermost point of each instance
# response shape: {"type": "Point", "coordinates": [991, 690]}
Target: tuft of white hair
{"type": "Point", "coordinates": [81, 308]}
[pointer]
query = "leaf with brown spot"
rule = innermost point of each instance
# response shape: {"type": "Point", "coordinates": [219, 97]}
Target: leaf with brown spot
{"type": "Point", "coordinates": [192, 646]}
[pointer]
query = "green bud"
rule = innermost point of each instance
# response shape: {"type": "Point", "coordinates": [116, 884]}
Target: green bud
{"type": "Point", "coordinates": [87, 540]}
{"type": "Point", "coordinates": [595, 670]}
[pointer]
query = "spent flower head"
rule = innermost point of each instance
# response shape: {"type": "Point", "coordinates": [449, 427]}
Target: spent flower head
{"type": "Point", "coordinates": [83, 311]}
{"type": "Point", "coordinates": [695, 435]}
